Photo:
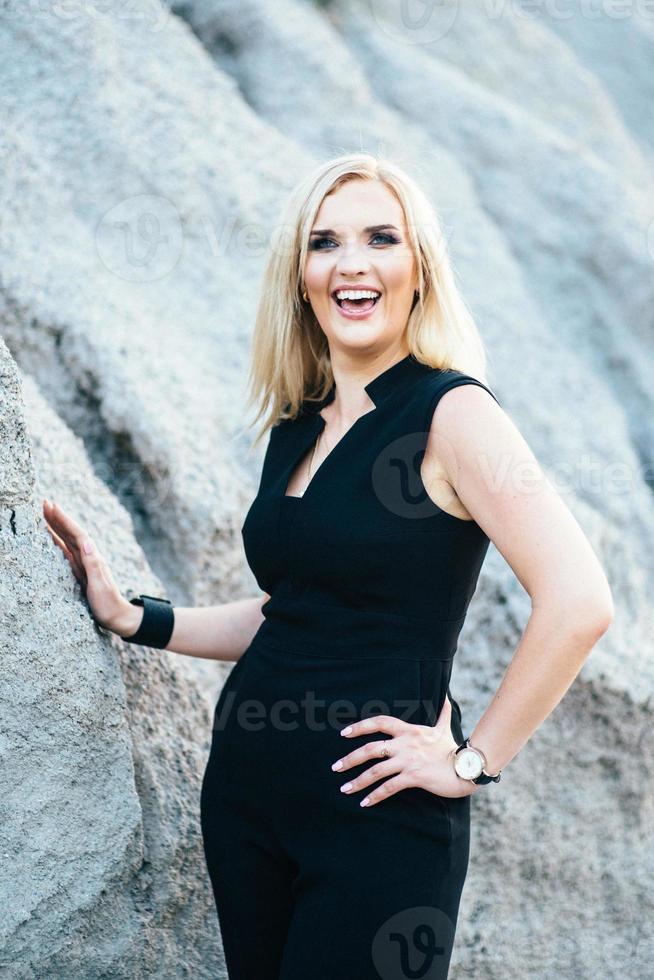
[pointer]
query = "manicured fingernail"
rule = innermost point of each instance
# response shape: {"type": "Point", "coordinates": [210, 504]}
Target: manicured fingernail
{"type": "Point", "coordinates": [345, 787]}
{"type": "Point", "coordinates": [346, 731]}
{"type": "Point", "coordinates": [338, 765]}
{"type": "Point", "coordinates": [88, 547]}
{"type": "Point", "coordinates": [364, 802]}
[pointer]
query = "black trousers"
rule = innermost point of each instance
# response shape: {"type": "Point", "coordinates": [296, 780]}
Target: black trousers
{"type": "Point", "coordinates": [309, 885]}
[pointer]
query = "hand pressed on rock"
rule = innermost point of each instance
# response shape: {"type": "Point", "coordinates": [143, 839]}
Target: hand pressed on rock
{"type": "Point", "coordinates": [109, 607]}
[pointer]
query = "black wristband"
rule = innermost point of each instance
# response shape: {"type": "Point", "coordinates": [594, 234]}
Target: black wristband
{"type": "Point", "coordinates": [157, 624]}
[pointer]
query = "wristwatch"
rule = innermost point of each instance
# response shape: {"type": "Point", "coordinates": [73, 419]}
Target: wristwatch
{"type": "Point", "coordinates": [470, 763]}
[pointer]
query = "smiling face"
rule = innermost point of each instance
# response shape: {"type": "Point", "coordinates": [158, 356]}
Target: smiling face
{"type": "Point", "coordinates": [359, 241]}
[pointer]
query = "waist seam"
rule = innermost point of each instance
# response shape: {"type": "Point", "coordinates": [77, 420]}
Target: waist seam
{"type": "Point", "coordinates": [300, 648]}
{"type": "Point", "coordinates": [303, 602]}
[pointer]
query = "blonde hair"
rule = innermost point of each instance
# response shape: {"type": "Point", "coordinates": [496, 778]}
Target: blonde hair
{"type": "Point", "coordinates": [290, 355]}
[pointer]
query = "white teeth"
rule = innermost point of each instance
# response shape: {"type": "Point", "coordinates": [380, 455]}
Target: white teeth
{"type": "Point", "coordinates": [357, 294]}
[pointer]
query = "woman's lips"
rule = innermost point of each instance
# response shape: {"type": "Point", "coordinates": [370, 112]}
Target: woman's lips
{"type": "Point", "coordinates": [356, 314]}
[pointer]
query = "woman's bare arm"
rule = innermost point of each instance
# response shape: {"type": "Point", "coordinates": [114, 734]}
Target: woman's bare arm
{"type": "Point", "coordinates": [210, 632]}
{"type": "Point", "coordinates": [498, 479]}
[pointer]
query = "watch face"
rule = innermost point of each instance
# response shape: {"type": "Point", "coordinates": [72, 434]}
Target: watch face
{"type": "Point", "coordinates": [468, 764]}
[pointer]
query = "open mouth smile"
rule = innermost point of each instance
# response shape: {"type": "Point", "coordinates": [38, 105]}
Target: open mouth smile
{"type": "Point", "coordinates": [356, 303]}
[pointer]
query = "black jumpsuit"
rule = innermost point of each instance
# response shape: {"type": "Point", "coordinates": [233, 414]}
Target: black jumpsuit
{"type": "Point", "coordinates": [369, 585]}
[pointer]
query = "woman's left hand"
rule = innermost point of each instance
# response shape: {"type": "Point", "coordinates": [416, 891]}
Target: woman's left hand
{"type": "Point", "coordinates": [418, 755]}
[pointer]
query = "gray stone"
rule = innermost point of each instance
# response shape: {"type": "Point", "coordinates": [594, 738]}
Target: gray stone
{"type": "Point", "coordinates": [102, 871]}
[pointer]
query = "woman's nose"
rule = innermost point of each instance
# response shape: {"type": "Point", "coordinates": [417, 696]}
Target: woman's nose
{"type": "Point", "coordinates": [352, 259]}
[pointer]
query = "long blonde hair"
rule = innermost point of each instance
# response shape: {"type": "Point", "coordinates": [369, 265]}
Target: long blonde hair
{"type": "Point", "coordinates": [290, 355]}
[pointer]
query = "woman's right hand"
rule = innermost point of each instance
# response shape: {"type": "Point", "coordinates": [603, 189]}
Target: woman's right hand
{"type": "Point", "coordinates": [109, 607]}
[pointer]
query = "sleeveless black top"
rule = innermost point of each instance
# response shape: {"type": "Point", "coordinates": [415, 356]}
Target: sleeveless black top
{"type": "Point", "coordinates": [364, 562]}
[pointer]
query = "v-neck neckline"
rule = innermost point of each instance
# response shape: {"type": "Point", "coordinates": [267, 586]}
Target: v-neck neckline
{"type": "Point", "coordinates": [389, 381]}
{"type": "Point", "coordinates": [315, 433]}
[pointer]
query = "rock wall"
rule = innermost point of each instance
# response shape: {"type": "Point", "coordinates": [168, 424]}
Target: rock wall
{"type": "Point", "coordinates": [102, 742]}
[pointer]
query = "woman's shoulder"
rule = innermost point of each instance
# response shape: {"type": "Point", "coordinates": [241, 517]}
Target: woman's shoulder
{"type": "Point", "coordinates": [439, 380]}
{"type": "Point", "coordinates": [420, 402]}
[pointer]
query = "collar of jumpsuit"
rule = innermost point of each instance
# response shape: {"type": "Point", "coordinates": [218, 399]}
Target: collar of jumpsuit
{"type": "Point", "coordinates": [402, 372]}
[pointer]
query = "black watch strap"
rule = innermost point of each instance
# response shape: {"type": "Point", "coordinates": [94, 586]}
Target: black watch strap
{"type": "Point", "coordinates": [157, 624]}
{"type": "Point", "coordinates": [483, 778]}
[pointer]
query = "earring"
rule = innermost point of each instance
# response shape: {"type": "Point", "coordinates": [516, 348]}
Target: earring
{"type": "Point", "coordinates": [304, 295]}
{"type": "Point", "coordinates": [416, 294]}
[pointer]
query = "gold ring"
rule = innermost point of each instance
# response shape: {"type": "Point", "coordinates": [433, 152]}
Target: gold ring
{"type": "Point", "coordinates": [385, 753]}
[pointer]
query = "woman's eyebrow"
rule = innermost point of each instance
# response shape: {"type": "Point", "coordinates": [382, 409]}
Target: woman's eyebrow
{"type": "Point", "coordinates": [330, 231]}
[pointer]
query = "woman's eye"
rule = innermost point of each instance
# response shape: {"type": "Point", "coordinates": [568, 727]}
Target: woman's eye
{"type": "Point", "coordinates": [316, 243]}
{"type": "Point", "coordinates": [389, 238]}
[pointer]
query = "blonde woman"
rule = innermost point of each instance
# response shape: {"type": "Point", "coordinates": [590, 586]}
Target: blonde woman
{"type": "Point", "coordinates": [335, 804]}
